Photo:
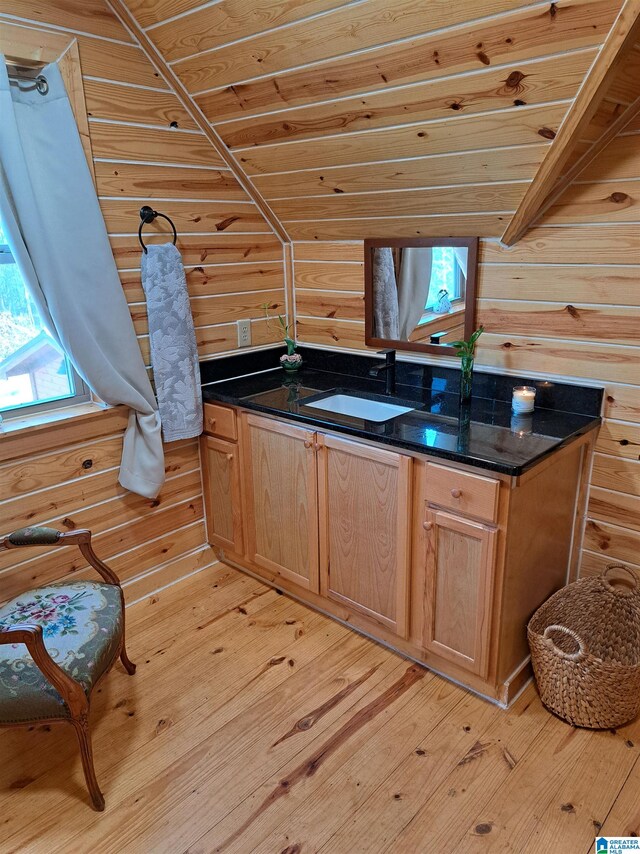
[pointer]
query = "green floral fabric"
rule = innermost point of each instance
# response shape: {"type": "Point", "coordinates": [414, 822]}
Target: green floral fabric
{"type": "Point", "coordinates": [34, 537]}
{"type": "Point", "coordinates": [81, 626]}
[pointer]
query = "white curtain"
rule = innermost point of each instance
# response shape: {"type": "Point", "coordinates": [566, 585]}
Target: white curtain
{"type": "Point", "coordinates": [462, 257]}
{"type": "Point", "coordinates": [385, 294]}
{"type": "Point", "coordinates": [56, 232]}
{"type": "Point", "coordinates": [413, 288]}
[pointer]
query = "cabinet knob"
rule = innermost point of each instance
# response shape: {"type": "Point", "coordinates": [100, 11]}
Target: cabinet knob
{"type": "Point", "coordinates": [317, 446]}
{"type": "Point", "coordinates": [211, 423]}
{"type": "Point", "coordinates": [427, 526]}
{"type": "Point", "coordinates": [456, 493]}
{"type": "Point", "coordinates": [308, 444]}
{"type": "Point", "coordinates": [229, 457]}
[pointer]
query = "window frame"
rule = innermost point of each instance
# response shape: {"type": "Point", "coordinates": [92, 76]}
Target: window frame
{"type": "Point", "coordinates": [82, 392]}
{"type": "Point", "coordinates": [457, 302]}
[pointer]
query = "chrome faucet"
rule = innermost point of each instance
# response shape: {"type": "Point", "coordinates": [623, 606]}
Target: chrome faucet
{"type": "Point", "coordinates": [389, 369]}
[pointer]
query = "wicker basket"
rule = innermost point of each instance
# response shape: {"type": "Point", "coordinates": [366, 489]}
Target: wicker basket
{"type": "Point", "coordinates": [585, 650]}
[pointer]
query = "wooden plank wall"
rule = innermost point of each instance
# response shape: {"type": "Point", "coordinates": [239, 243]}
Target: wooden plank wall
{"type": "Point", "coordinates": [145, 149]}
{"type": "Point", "coordinates": [563, 302]}
{"type": "Point", "coordinates": [73, 483]}
{"type": "Point", "coordinates": [368, 118]}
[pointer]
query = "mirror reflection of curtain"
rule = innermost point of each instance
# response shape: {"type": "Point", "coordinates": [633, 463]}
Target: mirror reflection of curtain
{"type": "Point", "coordinates": [413, 288]}
{"type": "Point", "coordinates": [385, 294]}
{"type": "Point", "coordinates": [462, 257]}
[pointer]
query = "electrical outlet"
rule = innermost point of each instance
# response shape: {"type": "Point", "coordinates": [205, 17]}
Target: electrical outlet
{"type": "Point", "coordinates": [244, 333]}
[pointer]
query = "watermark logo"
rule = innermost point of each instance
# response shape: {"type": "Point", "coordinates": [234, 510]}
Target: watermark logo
{"type": "Point", "coordinates": [617, 844]}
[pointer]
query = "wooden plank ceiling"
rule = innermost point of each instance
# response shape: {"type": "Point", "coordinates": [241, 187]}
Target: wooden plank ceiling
{"type": "Point", "coordinates": [358, 118]}
{"type": "Point", "coordinates": [559, 167]}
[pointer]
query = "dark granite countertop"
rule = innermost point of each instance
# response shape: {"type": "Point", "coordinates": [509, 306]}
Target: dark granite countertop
{"type": "Point", "coordinates": [485, 435]}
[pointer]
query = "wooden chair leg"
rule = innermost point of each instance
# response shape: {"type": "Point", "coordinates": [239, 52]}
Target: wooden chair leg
{"type": "Point", "coordinates": [81, 726]}
{"type": "Point", "coordinates": [129, 666]}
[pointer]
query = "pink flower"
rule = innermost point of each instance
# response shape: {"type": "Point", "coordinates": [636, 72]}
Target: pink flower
{"type": "Point", "coordinates": [43, 615]}
{"type": "Point", "coordinates": [25, 606]}
{"type": "Point", "coordinates": [59, 600]}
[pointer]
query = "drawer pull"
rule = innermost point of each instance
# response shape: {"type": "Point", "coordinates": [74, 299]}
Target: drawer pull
{"type": "Point", "coordinates": [428, 526]}
{"type": "Point", "coordinates": [456, 493]}
{"type": "Point", "coordinates": [211, 423]}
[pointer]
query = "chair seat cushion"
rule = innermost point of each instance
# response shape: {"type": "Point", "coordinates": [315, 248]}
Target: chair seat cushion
{"type": "Point", "coordinates": [82, 628]}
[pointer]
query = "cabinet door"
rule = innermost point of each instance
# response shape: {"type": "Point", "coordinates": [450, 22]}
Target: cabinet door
{"type": "Point", "coordinates": [222, 493]}
{"type": "Point", "coordinates": [282, 499]}
{"type": "Point", "coordinates": [365, 512]}
{"type": "Point", "coordinates": [459, 579]}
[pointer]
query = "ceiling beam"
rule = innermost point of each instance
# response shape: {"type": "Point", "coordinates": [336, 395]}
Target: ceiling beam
{"type": "Point", "coordinates": [591, 153]}
{"type": "Point", "coordinates": [621, 38]}
{"type": "Point", "coordinates": [121, 11]}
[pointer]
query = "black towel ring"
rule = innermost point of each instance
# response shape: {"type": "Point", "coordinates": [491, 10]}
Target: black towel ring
{"type": "Point", "coordinates": [147, 215]}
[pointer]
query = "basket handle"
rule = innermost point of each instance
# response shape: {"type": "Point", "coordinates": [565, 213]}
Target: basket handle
{"type": "Point", "coordinates": [578, 655]}
{"type": "Point", "coordinates": [630, 573]}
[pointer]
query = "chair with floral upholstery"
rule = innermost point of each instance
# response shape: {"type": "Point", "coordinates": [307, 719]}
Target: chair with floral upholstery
{"type": "Point", "coordinates": [56, 644]}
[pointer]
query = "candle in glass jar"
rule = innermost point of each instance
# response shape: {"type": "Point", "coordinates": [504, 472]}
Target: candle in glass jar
{"type": "Point", "coordinates": [523, 399]}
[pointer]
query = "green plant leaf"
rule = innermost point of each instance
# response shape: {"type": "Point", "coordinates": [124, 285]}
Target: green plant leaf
{"type": "Point", "coordinates": [476, 335]}
{"type": "Point", "coordinates": [465, 349]}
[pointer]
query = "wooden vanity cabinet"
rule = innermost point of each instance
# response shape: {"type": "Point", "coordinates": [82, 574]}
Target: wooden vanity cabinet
{"type": "Point", "coordinates": [365, 529]}
{"type": "Point", "coordinates": [442, 561]}
{"type": "Point", "coordinates": [281, 498]}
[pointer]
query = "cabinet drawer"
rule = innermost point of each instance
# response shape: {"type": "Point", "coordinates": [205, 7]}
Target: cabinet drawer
{"type": "Point", "coordinates": [462, 492]}
{"type": "Point", "coordinates": [220, 421]}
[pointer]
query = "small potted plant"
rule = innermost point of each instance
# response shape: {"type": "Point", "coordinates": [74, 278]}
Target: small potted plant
{"type": "Point", "coordinates": [290, 361]}
{"type": "Point", "coordinates": [466, 351]}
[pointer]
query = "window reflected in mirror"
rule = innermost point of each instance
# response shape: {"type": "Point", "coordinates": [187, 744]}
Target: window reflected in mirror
{"type": "Point", "coordinates": [419, 294]}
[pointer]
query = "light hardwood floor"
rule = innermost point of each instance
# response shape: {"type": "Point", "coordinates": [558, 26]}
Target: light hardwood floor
{"type": "Point", "coordinates": [256, 725]}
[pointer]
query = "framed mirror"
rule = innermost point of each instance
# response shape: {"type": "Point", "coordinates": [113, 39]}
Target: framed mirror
{"type": "Point", "coordinates": [419, 294]}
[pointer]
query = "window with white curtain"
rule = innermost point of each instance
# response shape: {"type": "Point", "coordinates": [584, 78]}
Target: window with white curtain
{"type": "Point", "coordinates": [445, 275]}
{"type": "Point", "coordinates": [34, 373]}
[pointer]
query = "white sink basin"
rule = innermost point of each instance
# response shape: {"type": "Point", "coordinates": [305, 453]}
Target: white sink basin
{"type": "Point", "coordinates": [359, 407]}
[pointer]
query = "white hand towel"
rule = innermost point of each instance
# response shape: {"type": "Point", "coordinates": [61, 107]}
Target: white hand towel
{"type": "Point", "coordinates": [174, 353]}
